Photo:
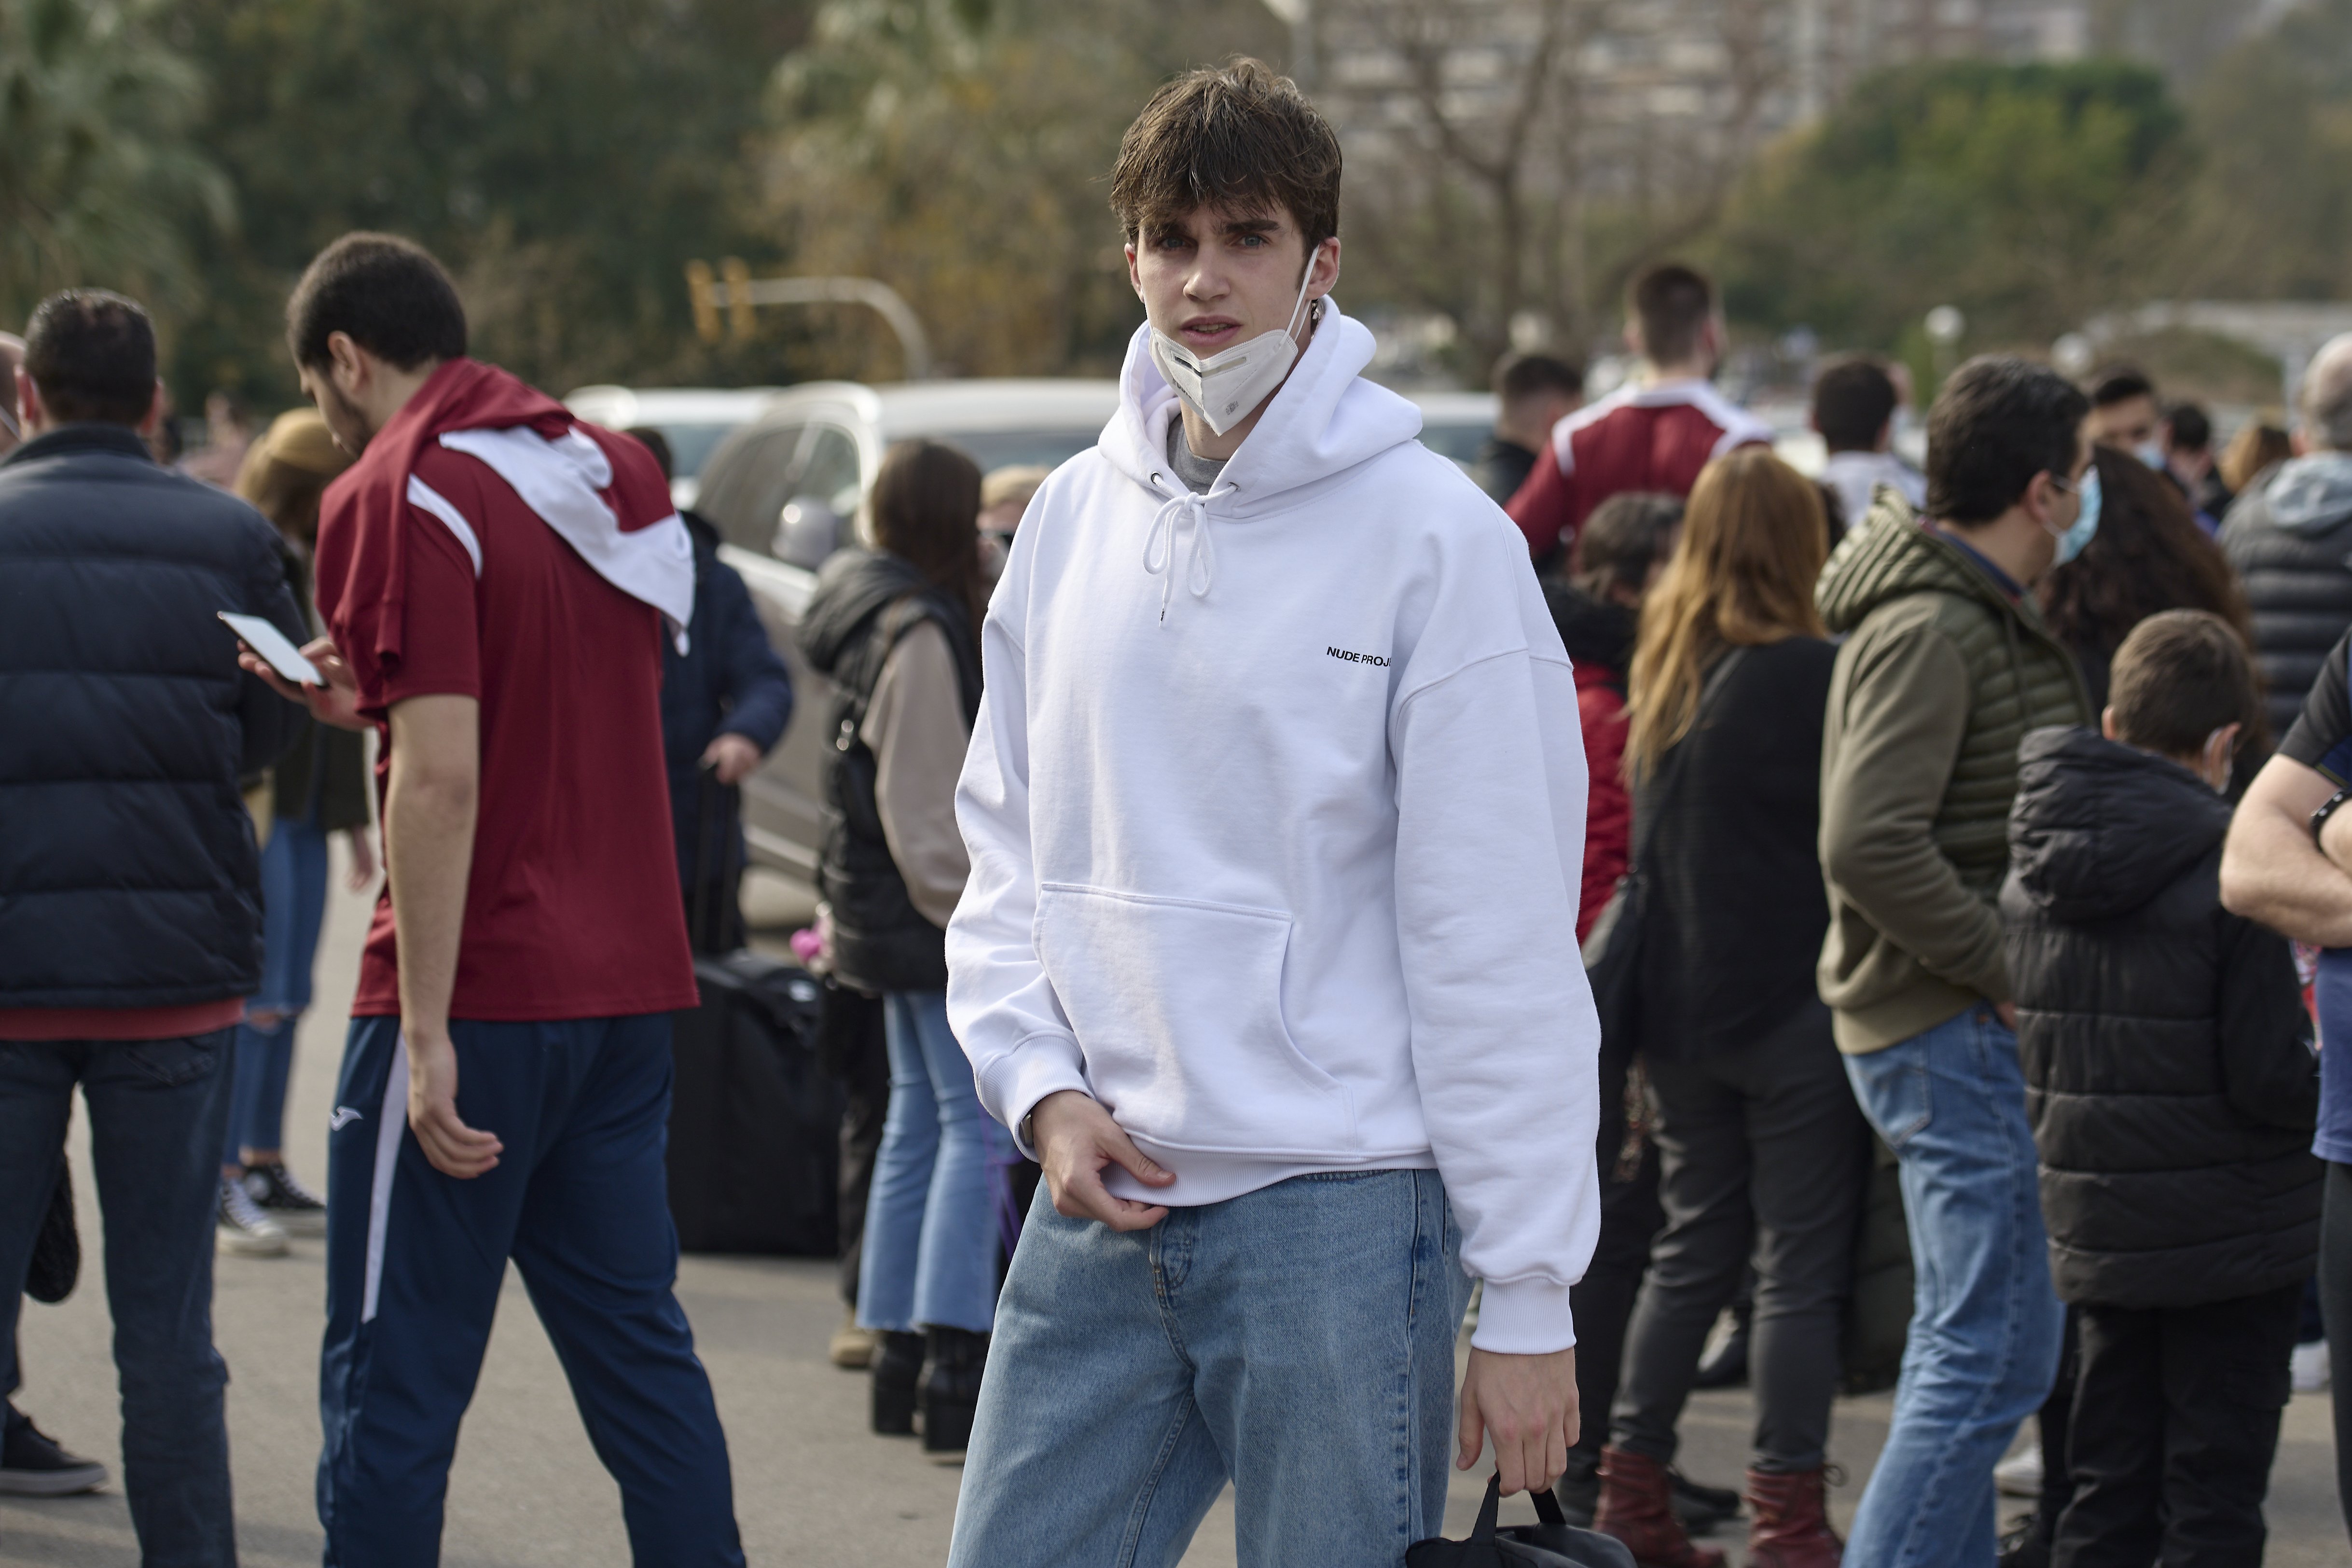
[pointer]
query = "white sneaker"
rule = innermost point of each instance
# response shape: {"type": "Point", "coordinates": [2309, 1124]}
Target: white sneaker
{"type": "Point", "coordinates": [242, 1229]}
{"type": "Point", "coordinates": [2019, 1474]}
{"type": "Point", "coordinates": [2308, 1367]}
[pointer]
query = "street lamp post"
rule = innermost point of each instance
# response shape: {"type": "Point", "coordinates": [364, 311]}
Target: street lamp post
{"type": "Point", "coordinates": [1945, 326]}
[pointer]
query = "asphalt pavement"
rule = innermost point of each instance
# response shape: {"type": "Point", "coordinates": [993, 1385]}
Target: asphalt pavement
{"type": "Point", "coordinates": [811, 1485]}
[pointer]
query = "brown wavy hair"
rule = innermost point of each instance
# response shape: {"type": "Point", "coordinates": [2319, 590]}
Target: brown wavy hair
{"type": "Point", "coordinates": [2148, 555]}
{"type": "Point", "coordinates": [1754, 538]}
{"type": "Point", "coordinates": [926, 511]}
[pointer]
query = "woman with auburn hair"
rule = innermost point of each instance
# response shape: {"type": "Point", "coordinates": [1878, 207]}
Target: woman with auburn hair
{"type": "Point", "coordinates": [1763, 1152]}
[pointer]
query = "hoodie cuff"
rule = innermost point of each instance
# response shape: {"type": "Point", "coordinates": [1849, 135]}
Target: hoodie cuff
{"type": "Point", "coordinates": [1524, 1316]}
{"type": "Point", "coordinates": [1034, 1068]}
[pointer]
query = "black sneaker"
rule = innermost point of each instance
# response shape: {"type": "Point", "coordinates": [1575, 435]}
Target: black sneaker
{"type": "Point", "coordinates": [33, 1465]}
{"type": "Point", "coordinates": [275, 1192]}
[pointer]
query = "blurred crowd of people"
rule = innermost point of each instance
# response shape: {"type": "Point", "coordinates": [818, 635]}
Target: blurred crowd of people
{"type": "Point", "coordinates": [1952, 852]}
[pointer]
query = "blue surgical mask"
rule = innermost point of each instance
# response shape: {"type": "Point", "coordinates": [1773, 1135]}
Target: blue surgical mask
{"type": "Point", "coordinates": [2072, 542]}
{"type": "Point", "coordinates": [2150, 453]}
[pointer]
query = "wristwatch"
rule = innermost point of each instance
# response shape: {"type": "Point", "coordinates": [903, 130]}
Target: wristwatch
{"type": "Point", "coordinates": [2319, 818]}
{"type": "Point", "coordinates": [1026, 1132]}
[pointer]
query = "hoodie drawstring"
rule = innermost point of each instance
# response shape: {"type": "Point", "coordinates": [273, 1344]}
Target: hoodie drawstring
{"type": "Point", "coordinates": [1160, 544]}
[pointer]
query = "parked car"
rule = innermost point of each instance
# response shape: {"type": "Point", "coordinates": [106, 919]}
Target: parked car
{"type": "Point", "coordinates": [784, 490]}
{"type": "Point", "coordinates": [695, 420]}
{"type": "Point", "coordinates": [1455, 424]}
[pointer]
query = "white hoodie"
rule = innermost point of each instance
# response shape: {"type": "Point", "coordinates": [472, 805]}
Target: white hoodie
{"type": "Point", "coordinates": [1276, 807]}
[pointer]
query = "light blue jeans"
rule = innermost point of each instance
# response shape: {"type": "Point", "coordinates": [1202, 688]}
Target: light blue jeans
{"type": "Point", "coordinates": [1986, 1326]}
{"type": "Point", "coordinates": [929, 1254]}
{"type": "Point", "coordinates": [293, 907]}
{"type": "Point", "coordinates": [1298, 1341]}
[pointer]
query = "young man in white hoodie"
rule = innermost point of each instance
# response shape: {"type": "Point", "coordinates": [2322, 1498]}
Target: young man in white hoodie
{"type": "Point", "coordinates": [1275, 790]}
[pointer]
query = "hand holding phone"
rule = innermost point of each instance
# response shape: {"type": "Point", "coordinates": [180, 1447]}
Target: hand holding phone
{"type": "Point", "coordinates": [271, 644]}
{"type": "Point", "coordinates": [318, 679]}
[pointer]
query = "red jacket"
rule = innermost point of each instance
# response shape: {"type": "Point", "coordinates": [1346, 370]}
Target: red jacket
{"type": "Point", "coordinates": [1609, 808]}
{"type": "Point", "coordinates": [1636, 439]}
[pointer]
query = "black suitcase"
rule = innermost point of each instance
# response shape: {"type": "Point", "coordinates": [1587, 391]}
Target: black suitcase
{"type": "Point", "coordinates": [754, 1122]}
{"type": "Point", "coordinates": [754, 1126]}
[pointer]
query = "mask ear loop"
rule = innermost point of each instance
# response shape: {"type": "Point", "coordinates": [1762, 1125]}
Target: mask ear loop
{"type": "Point", "coordinates": [1304, 284]}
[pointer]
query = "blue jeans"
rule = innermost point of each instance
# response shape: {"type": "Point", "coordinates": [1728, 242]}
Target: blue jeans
{"type": "Point", "coordinates": [1986, 1328]}
{"type": "Point", "coordinates": [293, 906]}
{"type": "Point", "coordinates": [579, 1200]}
{"type": "Point", "coordinates": [930, 1252]}
{"type": "Point", "coordinates": [1298, 1341]}
{"type": "Point", "coordinates": [156, 1108]}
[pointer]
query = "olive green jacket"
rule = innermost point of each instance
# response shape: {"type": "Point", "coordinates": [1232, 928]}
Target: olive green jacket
{"type": "Point", "coordinates": [1939, 678]}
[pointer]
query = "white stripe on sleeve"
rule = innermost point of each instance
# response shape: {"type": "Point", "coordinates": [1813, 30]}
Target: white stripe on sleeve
{"type": "Point", "coordinates": [441, 506]}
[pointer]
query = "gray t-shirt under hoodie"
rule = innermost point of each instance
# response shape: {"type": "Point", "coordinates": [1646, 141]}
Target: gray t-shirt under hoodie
{"type": "Point", "coordinates": [1198, 473]}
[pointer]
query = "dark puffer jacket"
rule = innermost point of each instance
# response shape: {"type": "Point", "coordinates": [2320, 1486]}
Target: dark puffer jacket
{"type": "Point", "coordinates": [2171, 1093]}
{"type": "Point", "coordinates": [2290, 537]}
{"type": "Point", "coordinates": [864, 604]}
{"type": "Point", "coordinates": [127, 874]}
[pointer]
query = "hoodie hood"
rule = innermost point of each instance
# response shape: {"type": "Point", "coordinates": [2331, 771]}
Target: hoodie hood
{"type": "Point", "coordinates": [1593, 631]}
{"type": "Point", "coordinates": [2311, 494]}
{"type": "Point", "coordinates": [2099, 828]}
{"type": "Point", "coordinates": [850, 588]}
{"type": "Point", "coordinates": [1321, 423]}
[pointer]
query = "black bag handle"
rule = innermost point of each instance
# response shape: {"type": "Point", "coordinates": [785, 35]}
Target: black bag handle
{"type": "Point", "coordinates": [1490, 1509]}
{"type": "Point", "coordinates": [1546, 1508]}
{"type": "Point", "coordinates": [706, 914]}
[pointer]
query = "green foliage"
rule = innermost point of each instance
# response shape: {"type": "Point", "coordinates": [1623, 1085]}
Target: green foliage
{"type": "Point", "coordinates": [563, 161]}
{"type": "Point", "coordinates": [2031, 196]}
{"type": "Point", "coordinates": [2273, 211]}
{"type": "Point", "coordinates": [97, 186]}
{"type": "Point", "coordinates": [961, 152]}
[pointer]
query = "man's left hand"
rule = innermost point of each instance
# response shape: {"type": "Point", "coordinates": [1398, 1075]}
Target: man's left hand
{"type": "Point", "coordinates": [732, 757]}
{"type": "Point", "coordinates": [1528, 1404]}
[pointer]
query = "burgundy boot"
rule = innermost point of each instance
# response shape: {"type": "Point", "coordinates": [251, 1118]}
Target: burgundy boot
{"type": "Point", "coordinates": [1637, 1507]}
{"type": "Point", "coordinates": [1791, 1525]}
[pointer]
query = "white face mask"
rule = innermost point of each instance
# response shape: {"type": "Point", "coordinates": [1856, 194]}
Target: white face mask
{"type": "Point", "coordinates": [1224, 388]}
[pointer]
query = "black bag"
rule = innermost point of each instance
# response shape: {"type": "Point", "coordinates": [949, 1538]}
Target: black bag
{"type": "Point", "coordinates": [56, 1266]}
{"type": "Point", "coordinates": [754, 1124]}
{"type": "Point", "coordinates": [1551, 1544]}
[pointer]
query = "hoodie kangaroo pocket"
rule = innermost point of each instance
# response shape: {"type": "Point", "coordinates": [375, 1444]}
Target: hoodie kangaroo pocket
{"type": "Point", "coordinates": [1178, 1006]}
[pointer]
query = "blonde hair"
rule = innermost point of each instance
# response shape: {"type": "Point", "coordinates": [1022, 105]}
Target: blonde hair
{"type": "Point", "coordinates": [1755, 534]}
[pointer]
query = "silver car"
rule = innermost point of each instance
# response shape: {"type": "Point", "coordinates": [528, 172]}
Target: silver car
{"type": "Point", "coordinates": [785, 489]}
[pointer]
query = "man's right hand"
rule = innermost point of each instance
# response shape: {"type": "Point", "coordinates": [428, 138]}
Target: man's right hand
{"type": "Point", "coordinates": [336, 703]}
{"type": "Point", "coordinates": [451, 1147]}
{"type": "Point", "coordinates": [1077, 1140]}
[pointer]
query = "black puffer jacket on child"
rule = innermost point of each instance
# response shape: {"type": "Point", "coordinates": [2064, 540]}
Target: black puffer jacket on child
{"type": "Point", "coordinates": [2171, 1089]}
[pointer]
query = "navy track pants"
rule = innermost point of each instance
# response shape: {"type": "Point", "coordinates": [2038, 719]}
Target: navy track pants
{"type": "Point", "coordinates": [415, 1262]}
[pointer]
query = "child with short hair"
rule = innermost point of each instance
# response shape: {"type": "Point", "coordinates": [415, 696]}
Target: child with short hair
{"type": "Point", "coordinates": [2172, 1092]}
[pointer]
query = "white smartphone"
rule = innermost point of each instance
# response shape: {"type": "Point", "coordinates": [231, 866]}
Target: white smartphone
{"type": "Point", "coordinates": [270, 643]}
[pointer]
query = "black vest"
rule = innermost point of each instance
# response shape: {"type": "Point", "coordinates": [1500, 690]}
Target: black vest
{"type": "Point", "coordinates": [2298, 585]}
{"type": "Point", "coordinates": [864, 604]}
